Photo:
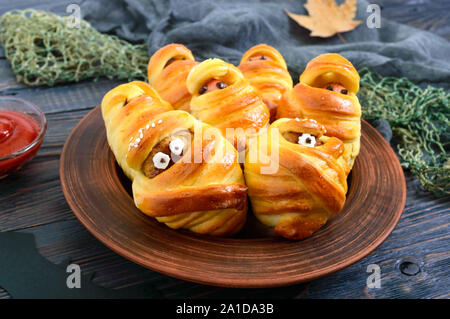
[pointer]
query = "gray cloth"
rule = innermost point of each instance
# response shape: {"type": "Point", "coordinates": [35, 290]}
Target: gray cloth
{"type": "Point", "coordinates": [227, 28]}
{"type": "Point", "coordinates": [383, 128]}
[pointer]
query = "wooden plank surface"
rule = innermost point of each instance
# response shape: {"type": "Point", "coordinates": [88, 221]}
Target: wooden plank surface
{"type": "Point", "coordinates": [32, 202]}
{"type": "Point", "coordinates": [430, 15]}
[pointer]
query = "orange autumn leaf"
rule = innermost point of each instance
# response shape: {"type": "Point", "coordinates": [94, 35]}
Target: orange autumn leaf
{"type": "Point", "coordinates": [326, 18]}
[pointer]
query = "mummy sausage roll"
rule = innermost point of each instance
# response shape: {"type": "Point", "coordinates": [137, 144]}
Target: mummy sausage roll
{"type": "Point", "coordinates": [264, 67]}
{"type": "Point", "coordinates": [327, 93]}
{"type": "Point", "coordinates": [296, 176]}
{"type": "Point", "coordinates": [181, 176]}
{"type": "Point", "coordinates": [167, 71]}
{"type": "Point", "coordinates": [222, 97]}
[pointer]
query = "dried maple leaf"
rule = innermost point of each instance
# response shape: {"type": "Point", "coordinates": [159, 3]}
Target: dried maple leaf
{"type": "Point", "coordinates": [326, 18]}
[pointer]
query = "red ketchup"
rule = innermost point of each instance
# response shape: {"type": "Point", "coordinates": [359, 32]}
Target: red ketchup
{"type": "Point", "coordinates": [17, 131]}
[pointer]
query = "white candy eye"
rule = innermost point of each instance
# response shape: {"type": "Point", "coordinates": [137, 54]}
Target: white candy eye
{"type": "Point", "coordinates": [161, 160]}
{"type": "Point", "coordinates": [307, 140]}
{"type": "Point", "coordinates": [176, 146]}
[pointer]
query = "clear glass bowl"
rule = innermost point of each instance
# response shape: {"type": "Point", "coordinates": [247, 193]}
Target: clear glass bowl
{"type": "Point", "coordinates": [12, 162]}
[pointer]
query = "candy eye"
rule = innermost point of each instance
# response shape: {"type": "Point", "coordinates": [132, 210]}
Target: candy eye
{"type": "Point", "coordinates": [161, 160]}
{"type": "Point", "coordinates": [202, 89]}
{"type": "Point", "coordinates": [263, 57]}
{"type": "Point", "coordinates": [221, 85]}
{"type": "Point", "coordinates": [176, 146]}
{"type": "Point", "coordinates": [344, 91]}
{"type": "Point", "coordinates": [307, 140]}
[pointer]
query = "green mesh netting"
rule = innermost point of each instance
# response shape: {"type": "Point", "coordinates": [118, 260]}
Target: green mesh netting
{"type": "Point", "coordinates": [44, 50]}
{"type": "Point", "coordinates": [419, 119]}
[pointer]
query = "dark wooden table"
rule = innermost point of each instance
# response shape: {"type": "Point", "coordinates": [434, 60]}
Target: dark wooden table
{"type": "Point", "coordinates": [32, 201]}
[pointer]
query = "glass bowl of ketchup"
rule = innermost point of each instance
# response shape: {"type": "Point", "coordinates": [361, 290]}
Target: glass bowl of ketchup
{"type": "Point", "coordinates": [22, 130]}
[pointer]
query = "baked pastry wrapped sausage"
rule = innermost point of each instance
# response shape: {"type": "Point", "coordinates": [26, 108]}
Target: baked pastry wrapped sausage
{"type": "Point", "coordinates": [184, 173]}
{"type": "Point", "coordinates": [296, 177]}
{"type": "Point", "coordinates": [264, 67]}
{"type": "Point", "coordinates": [222, 97]}
{"type": "Point", "coordinates": [167, 71]}
{"type": "Point", "coordinates": [327, 93]}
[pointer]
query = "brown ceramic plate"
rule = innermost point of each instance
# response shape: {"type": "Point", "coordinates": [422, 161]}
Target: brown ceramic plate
{"type": "Point", "coordinates": [99, 195]}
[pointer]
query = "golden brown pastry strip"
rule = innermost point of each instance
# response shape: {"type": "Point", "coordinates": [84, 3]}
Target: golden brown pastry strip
{"type": "Point", "coordinates": [211, 197]}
